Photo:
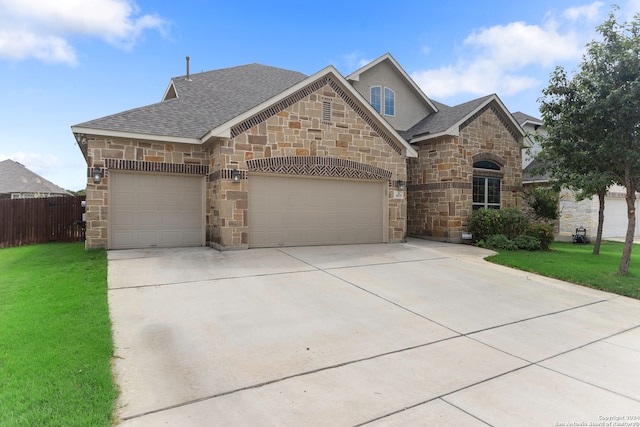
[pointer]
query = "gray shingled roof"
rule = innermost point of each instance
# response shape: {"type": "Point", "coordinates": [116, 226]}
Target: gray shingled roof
{"type": "Point", "coordinates": [443, 119]}
{"type": "Point", "coordinates": [530, 174]}
{"type": "Point", "coordinates": [15, 178]}
{"type": "Point", "coordinates": [203, 102]}
{"type": "Point", "coordinates": [521, 118]}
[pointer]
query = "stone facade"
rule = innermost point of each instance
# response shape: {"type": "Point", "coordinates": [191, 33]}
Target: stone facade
{"type": "Point", "coordinates": [296, 139]}
{"type": "Point", "coordinates": [440, 193]}
{"type": "Point", "coordinates": [133, 155]}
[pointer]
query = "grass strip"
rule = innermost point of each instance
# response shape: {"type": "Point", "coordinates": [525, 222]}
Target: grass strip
{"type": "Point", "coordinates": [576, 264]}
{"type": "Point", "coordinates": [55, 337]}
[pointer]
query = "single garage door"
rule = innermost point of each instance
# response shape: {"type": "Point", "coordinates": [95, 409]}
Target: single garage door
{"type": "Point", "coordinates": [615, 218]}
{"type": "Point", "coordinates": [155, 210]}
{"type": "Point", "coordinates": [296, 211]}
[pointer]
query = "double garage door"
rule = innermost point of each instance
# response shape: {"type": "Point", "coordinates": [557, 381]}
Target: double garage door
{"type": "Point", "coordinates": [297, 211]}
{"type": "Point", "coordinates": [155, 210]}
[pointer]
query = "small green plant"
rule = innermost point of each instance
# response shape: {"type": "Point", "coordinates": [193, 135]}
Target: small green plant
{"type": "Point", "coordinates": [543, 232]}
{"type": "Point", "coordinates": [500, 242]}
{"type": "Point", "coordinates": [528, 243]}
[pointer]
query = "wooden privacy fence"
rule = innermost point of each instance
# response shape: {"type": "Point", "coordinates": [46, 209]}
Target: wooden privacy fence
{"type": "Point", "coordinates": [41, 220]}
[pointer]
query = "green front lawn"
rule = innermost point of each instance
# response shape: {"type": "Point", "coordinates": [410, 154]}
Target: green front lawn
{"type": "Point", "coordinates": [55, 337]}
{"type": "Point", "coordinates": [577, 264]}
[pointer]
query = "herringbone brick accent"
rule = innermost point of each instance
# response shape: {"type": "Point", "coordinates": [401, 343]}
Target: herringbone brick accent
{"type": "Point", "coordinates": [318, 166]}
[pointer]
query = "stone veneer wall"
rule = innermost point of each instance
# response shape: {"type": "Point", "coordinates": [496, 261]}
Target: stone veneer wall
{"type": "Point", "coordinates": [440, 192]}
{"type": "Point", "coordinates": [574, 214]}
{"type": "Point", "coordinates": [297, 135]}
{"type": "Point", "coordinates": [135, 155]}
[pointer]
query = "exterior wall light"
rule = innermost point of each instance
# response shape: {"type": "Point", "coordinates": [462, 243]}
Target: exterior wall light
{"type": "Point", "coordinates": [235, 176]}
{"type": "Point", "coordinates": [400, 184]}
{"type": "Point", "coordinates": [97, 175]}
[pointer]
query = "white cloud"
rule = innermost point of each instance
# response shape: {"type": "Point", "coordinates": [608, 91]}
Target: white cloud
{"type": "Point", "coordinates": [511, 58]}
{"type": "Point", "coordinates": [590, 13]}
{"type": "Point", "coordinates": [42, 29]}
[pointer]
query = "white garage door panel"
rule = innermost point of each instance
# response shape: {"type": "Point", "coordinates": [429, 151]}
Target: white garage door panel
{"type": "Point", "coordinates": [154, 210]}
{"type": "Point", "coordinates": [615, 218]}
{"type": "Point", "coordinates": [293, 211]}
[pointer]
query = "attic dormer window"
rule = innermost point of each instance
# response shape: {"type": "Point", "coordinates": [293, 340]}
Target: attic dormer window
{"type": "Point", "coordinates": [388, 101]}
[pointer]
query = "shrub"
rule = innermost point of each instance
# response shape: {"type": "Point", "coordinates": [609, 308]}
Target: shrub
{"type": "Point", "coordinates": [514, 222]}
{"type": "Point", "coordinates": [484, 223]}
{"type": "Point", "coordinates": [543, 232]}
{"type": "Point", "coordinates": [500, 241]}
{"type": "Point", "coordinates": [528, 243]}
{"type": "Point", "coordinates": [488, 222]}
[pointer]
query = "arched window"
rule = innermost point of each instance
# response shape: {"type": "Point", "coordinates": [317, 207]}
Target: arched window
{"type": "Point", "coordinates": [384, 101]}
{"type": "Point", "coordinates": [486, 189]}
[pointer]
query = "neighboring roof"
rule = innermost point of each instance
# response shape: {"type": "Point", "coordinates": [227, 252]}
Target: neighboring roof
{"type": "Point", "coordinates": [192, 107]}
{"type": "Point", "coordinates": [15, 178]}
{"type": "Point", "coordinates": [355, 76]}
{"type": "Point", "coordinates": [523, 119]}
{"type": "Point", "coordinates": [447, 120]}
{"type": "Point", "coordinates": [530, 175]}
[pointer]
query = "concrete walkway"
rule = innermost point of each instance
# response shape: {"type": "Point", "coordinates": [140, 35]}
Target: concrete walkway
{"type": "Point", "coordinates": [421, 333]}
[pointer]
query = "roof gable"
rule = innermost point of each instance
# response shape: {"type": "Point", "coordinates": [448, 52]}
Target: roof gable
{"type": "Point", "coordinates": [355, 76]}
{"type": "Point", "coordinates": [15, 178]}
{"type": "Point", "coordinates": [327, 76]}
{"type": "Point", "coordinates": [449, 120]}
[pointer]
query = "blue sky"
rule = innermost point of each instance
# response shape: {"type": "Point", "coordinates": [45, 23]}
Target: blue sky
{"type": "Point", "coordinates": [64, 62]}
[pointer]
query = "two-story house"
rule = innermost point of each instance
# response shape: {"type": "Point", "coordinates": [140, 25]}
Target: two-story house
{"type": "Point", "coordinates": [257, 156]}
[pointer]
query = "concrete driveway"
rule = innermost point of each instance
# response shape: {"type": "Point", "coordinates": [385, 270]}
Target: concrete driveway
{"type": "Point", "coordinates": [422, 333]}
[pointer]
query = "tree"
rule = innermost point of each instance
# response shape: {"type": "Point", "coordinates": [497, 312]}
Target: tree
{"type": "Point", "coordinates": [593, 120]}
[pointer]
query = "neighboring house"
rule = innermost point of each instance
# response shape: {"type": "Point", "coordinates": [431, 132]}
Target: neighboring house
{"type": "Point", "coordinates": [257, 156]}
{"type": "Point", "coordinates": [532, 127]}
{"type": "Point", "coordinates": [573, 213]}
{"type": "Point", "coordinates": [18, 182]}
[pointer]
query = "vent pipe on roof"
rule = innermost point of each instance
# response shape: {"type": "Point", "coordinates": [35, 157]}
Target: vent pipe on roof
{"type": "Point", "coordinates": [188, 78]}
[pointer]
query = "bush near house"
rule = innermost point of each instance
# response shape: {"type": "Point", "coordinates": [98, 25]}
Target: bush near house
{"type": "Point", "coordinates": [509, 229]}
